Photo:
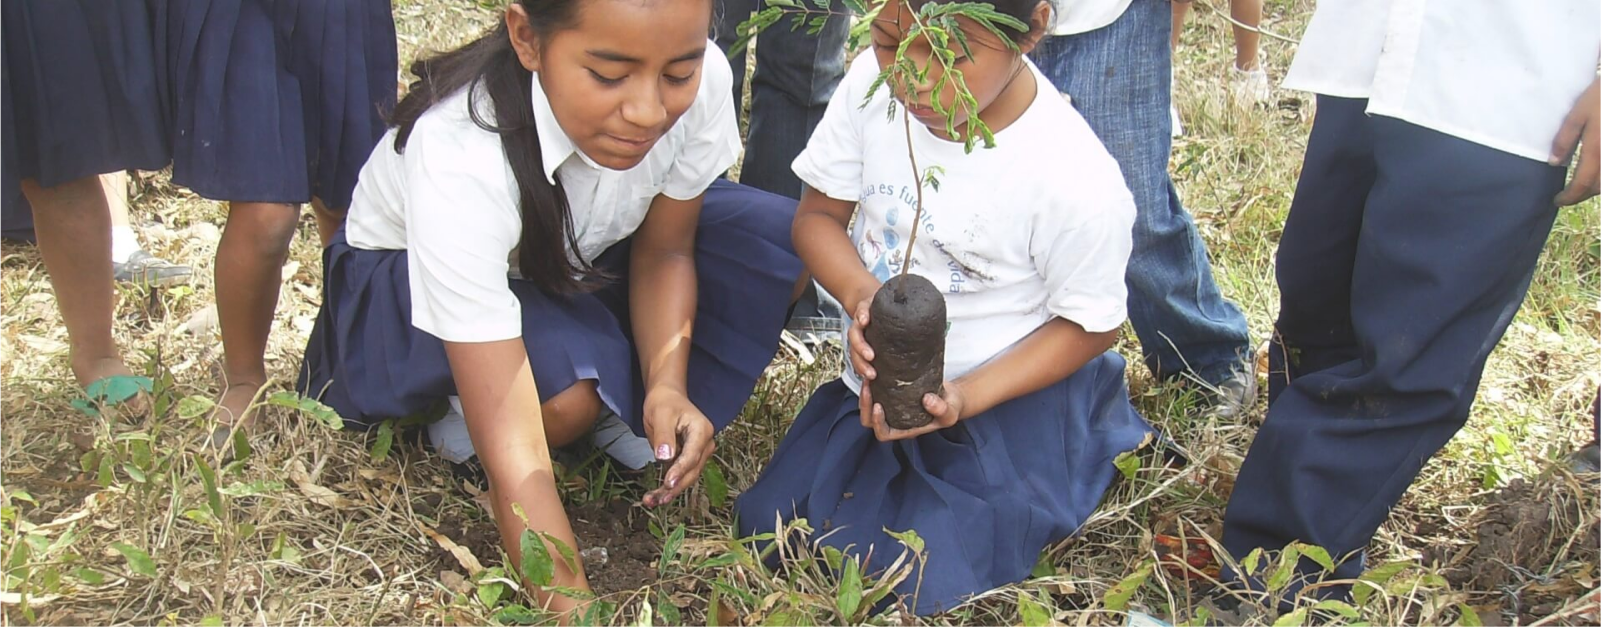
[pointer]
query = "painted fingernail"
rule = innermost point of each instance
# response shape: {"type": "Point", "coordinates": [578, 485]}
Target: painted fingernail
{"type": "Point", "coordinates": [664, 452]}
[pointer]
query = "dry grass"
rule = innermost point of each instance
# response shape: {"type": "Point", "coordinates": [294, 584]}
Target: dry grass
{"type": "Point", "coordinates": [314, 527]}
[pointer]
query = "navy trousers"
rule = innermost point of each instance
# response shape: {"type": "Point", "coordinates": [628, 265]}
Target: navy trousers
{"type": "Point", "coordinates": [1404, 257]}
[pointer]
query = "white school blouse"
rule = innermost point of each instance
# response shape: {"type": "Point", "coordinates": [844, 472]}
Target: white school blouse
{"type": "Point", "coordinates": [450, 199]}
{"type": "Point", "coordinates": [1501, 73]}
{"type": "Point", "coordinates": [1038, 227]}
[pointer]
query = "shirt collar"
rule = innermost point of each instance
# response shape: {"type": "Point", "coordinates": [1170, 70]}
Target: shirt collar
{"type": "Point", "coordinates": [555, 147]}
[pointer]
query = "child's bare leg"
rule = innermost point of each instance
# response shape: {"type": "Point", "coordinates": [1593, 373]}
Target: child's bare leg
{"type": "Point", "coordinates": [1246, 40]}
{"type": "Point", "coordinates": [328, 221]}
{"type": "Point", "coordinates": [250, 259]}
{"type": "Point", "coordinates": [73, 224]}
{"type": "Point", "coordinates": [1181, 10]}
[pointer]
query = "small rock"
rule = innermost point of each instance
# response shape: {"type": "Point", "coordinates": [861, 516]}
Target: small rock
{"type": "Point", "coordinates": [593, 556]}
{"type": "Point", "coordinates": [203, 232]}
{"type": "Point", "coordinates": [203, 322]}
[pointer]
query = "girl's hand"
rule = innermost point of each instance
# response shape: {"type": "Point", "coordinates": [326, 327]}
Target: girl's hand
{"type": "Point", "coordinates": [945, 407]}
{"type": "Point", "coordinates": [1582, 130]}
{"type": "Point", "coordinates": [861, 355]}
{"type": "Point", "coordinates": [669, 419]}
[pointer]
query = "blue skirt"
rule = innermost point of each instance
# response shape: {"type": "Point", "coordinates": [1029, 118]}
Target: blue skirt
{"type": "Point", "coordinates": [987, 495]}
{"type": "Point", "coordinates": [367, 361]}
{"type": "Point", "coordinates": [81, 92]}
{"type": "Point", "coordinates": [277, 101]}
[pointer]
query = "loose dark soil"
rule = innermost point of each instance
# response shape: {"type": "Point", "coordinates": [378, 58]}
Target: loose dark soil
{"type": "Point", "coordinates": [618, 527]}
{"type": "Point", "coordinates": [907, 333]}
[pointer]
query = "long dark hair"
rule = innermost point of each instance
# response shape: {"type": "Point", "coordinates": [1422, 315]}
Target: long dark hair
{"type": "Point", "coordinates": [492, 62]}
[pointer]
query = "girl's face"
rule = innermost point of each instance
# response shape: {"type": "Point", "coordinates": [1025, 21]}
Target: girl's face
{"type": "Point", "coordinates": [995, 74]}
{"type": "Point", "coordinates": [621, 74]}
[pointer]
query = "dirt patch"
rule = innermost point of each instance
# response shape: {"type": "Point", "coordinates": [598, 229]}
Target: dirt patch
{"type": "Point", "coordinates": [618, 530]}
{"type": "Point", "coordinates": [624, 532]}
{"type": "Point", "coordinates": [1534, 545]}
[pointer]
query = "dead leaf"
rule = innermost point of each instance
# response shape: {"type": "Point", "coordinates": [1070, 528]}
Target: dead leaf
{"type": "Point", "coordinates": [318, 494]}
{"type": "Point", "coordinates": [43, 345]}
{"type": "Point", "coordinates": [34, 600]}
{"type": "Point", "coordinates": [463, 555]}
{"type": "Point", "coordinates": [290, 270]}
{"type": "Point", "coordinates": [726, 614]}
{"type": "Point", "coordinates": [454, 582]}
{"type": "Point", "coordinates": [374, 474]}
{"type": "Point", "coordinates": [202, 323]}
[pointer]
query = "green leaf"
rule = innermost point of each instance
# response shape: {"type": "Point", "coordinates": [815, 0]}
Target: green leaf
{"type": "Point", "coordinates": [89, 576]}
{"type": "Point", "coordinates": [1118, 595]}
{"type": "Point", "coordinates": [385, 440]}
{"type": "Point", "coordinates": [849, 598]}
{"type": "Point", "coordinates": [1032, 612]}
{"type": "Point", "coordinates": [1469, 618]}
{"type": "Point", "coordinates": [646, 617]}
{"type": "Point", "coordinates": [209, 480]}
{"type": "Point", "coordinates": [211, 620]}
{"type": "Point", "coordinates": [1252, 561]}
{"type": "Point", "coordinates": [308, 406]}
{"type": "Point", "coordinates": [670, 548]}
{"type": "Point", "coordinates": [1128, 463]}
{"type": "Point", "coordinates": [192, 407]}
{"type": "Point", "coordinates": [105, 476]}
{"type": "Point", "coordinates": [139, 452]}
{"type": "Point", "coordinates": [201, 516]}
{"type": "Point", "coordinates": [724, 588]}
{"type": "Point", "coordinates": [516, 615]}
{"type": "Point", "coordinates": [834, 558]}
{"type": "Point", "coordinates": [599, 613]}
{"type": "Point", "coordinates": [1285, 571]}
{"type": "Point", "coordinates": [241, 446]}
{"type": "Point", "coordinates": [536, 565]}
{"type": "Point", "coordinates": [1298, 617]}
{"type": "Point", "coordinates": [726, 559]}
{"type": "Point", "coordinates": [138, 561]}
{"type": "Point", "coordinates": [89, 461]}
{"type": "Point", "coordinates": [1338, 607]}
{"type": "Point", "coordinates": [134, 473]}
{"type": "Point", "coordinates": [1378, 577]}
{"type": "Point", "coordinates": [568, 556]}
{"type": "Point", "coordinates": [908, 538]}
{"type": "Point", "coordinates": [655, 529]}
{"type": "Point", "coordinates": [254, 488]}
{"type": "Point", "coordinates": [716, 486]}
{"type": "Point", "coordinates": [489, 593]}
{"type": "Point", "coordinates": [1318, 554]}
{"type": "Point", "coordinates": [1043, 566]}
{"type": "Point", "coordinates": [669, 612]}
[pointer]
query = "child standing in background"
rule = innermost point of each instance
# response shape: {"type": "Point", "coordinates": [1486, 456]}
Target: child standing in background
{"type": "Point", "coordinates": [1029, 242]}
{"type": "Point", "coordinates": [274, 104]}
{"type": "Point", "coordinates": [81, 99]}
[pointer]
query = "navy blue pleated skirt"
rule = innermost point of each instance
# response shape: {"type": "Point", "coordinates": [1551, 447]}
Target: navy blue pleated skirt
{"type": "Point", "coordinates": [277, 101]}
{"type": "Point", "coordinates": [81, 94]}
{"type": "Point", "coordinates": [367, 361]}
{"type": "Point", "coordinates": [986, 496]}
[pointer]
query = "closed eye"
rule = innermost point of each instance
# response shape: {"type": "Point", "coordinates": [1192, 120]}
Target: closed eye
{"type": "Point", "coordinates": [679, 80]}
{"type": "Point", "coordinates": [603, 79]}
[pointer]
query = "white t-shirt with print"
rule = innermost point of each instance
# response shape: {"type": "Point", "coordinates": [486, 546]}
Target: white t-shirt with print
{"type": "Point", "coordinates": [451, 201]}
{"type": "Point", "coordinates": [1038, 227]}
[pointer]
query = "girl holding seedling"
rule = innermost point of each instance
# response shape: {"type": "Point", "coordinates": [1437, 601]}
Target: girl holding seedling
{"type": "Point", "coordinates": [1029, 255]}
{"type": "Point", "coordinates": [541, 235]}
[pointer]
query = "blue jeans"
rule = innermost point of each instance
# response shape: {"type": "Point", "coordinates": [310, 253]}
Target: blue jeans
{"type": "Point", "coordinates": [1119, 78]}
{"type": "Point", "coordinates": [796, 73]}
{"type": "Point", "coordinates": [1405, 255]}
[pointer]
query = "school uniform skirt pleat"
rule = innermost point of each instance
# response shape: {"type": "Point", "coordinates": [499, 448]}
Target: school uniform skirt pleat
{"type": "Point", "coordinates": [986, 495]}
{"type": "Point", "coordinates": [367, 361]}
{"type": "Point", "coordinates": [81, 93]}
{"type": "Point", "coordinates": [277, 101]}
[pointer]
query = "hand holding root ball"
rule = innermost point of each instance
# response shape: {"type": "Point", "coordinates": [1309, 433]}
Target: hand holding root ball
{"type": "Point", "coordinates": [897, 345]}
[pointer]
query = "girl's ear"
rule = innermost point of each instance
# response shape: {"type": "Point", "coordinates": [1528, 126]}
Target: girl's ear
{"type": "Point", "coordinates": [524, 39]}
{"type": "Point", "coordinates": [1039, 23]}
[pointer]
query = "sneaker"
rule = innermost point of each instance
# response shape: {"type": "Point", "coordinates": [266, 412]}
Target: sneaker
{"type": "Point", "coordinates": [143, 268]}
{"type": "Point", "coordinates": [1586, 460]}
{"type": "Point", "coordinates": [618, 440]}
{"type": "Point", "coordinates": [449, 436]}
{"type": "Point", "coordinates": [1234, 396]}
{"type": "Point", "coordinates": [1250, 87]}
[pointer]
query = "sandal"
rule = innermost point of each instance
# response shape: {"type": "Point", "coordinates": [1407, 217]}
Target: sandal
{"type": "Point", "coordinates": [143, 268]}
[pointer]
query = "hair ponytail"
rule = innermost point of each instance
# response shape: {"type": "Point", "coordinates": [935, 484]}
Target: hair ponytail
{"type": "Point", "coordinates": [490, 61]}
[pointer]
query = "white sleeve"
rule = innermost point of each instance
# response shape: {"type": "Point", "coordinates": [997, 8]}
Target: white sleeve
{"type": "Point", "coordinates": [1082, 251]}
{"type": "Point", "coordinates": [462, 221]}
{"type": "Point", "coordinates": [832, 160]}
{"type": "Point", "coordinates": [712, 142]}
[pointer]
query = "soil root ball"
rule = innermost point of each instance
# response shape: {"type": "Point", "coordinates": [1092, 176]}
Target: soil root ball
{"type": "Point", "coordinates": [906, 330]}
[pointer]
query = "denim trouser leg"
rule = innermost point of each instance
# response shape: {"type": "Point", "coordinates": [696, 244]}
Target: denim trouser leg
{"type": "Point", "coordinates": [1118, 77]}
{"type": "Point", "coordinates": [796, 73]}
